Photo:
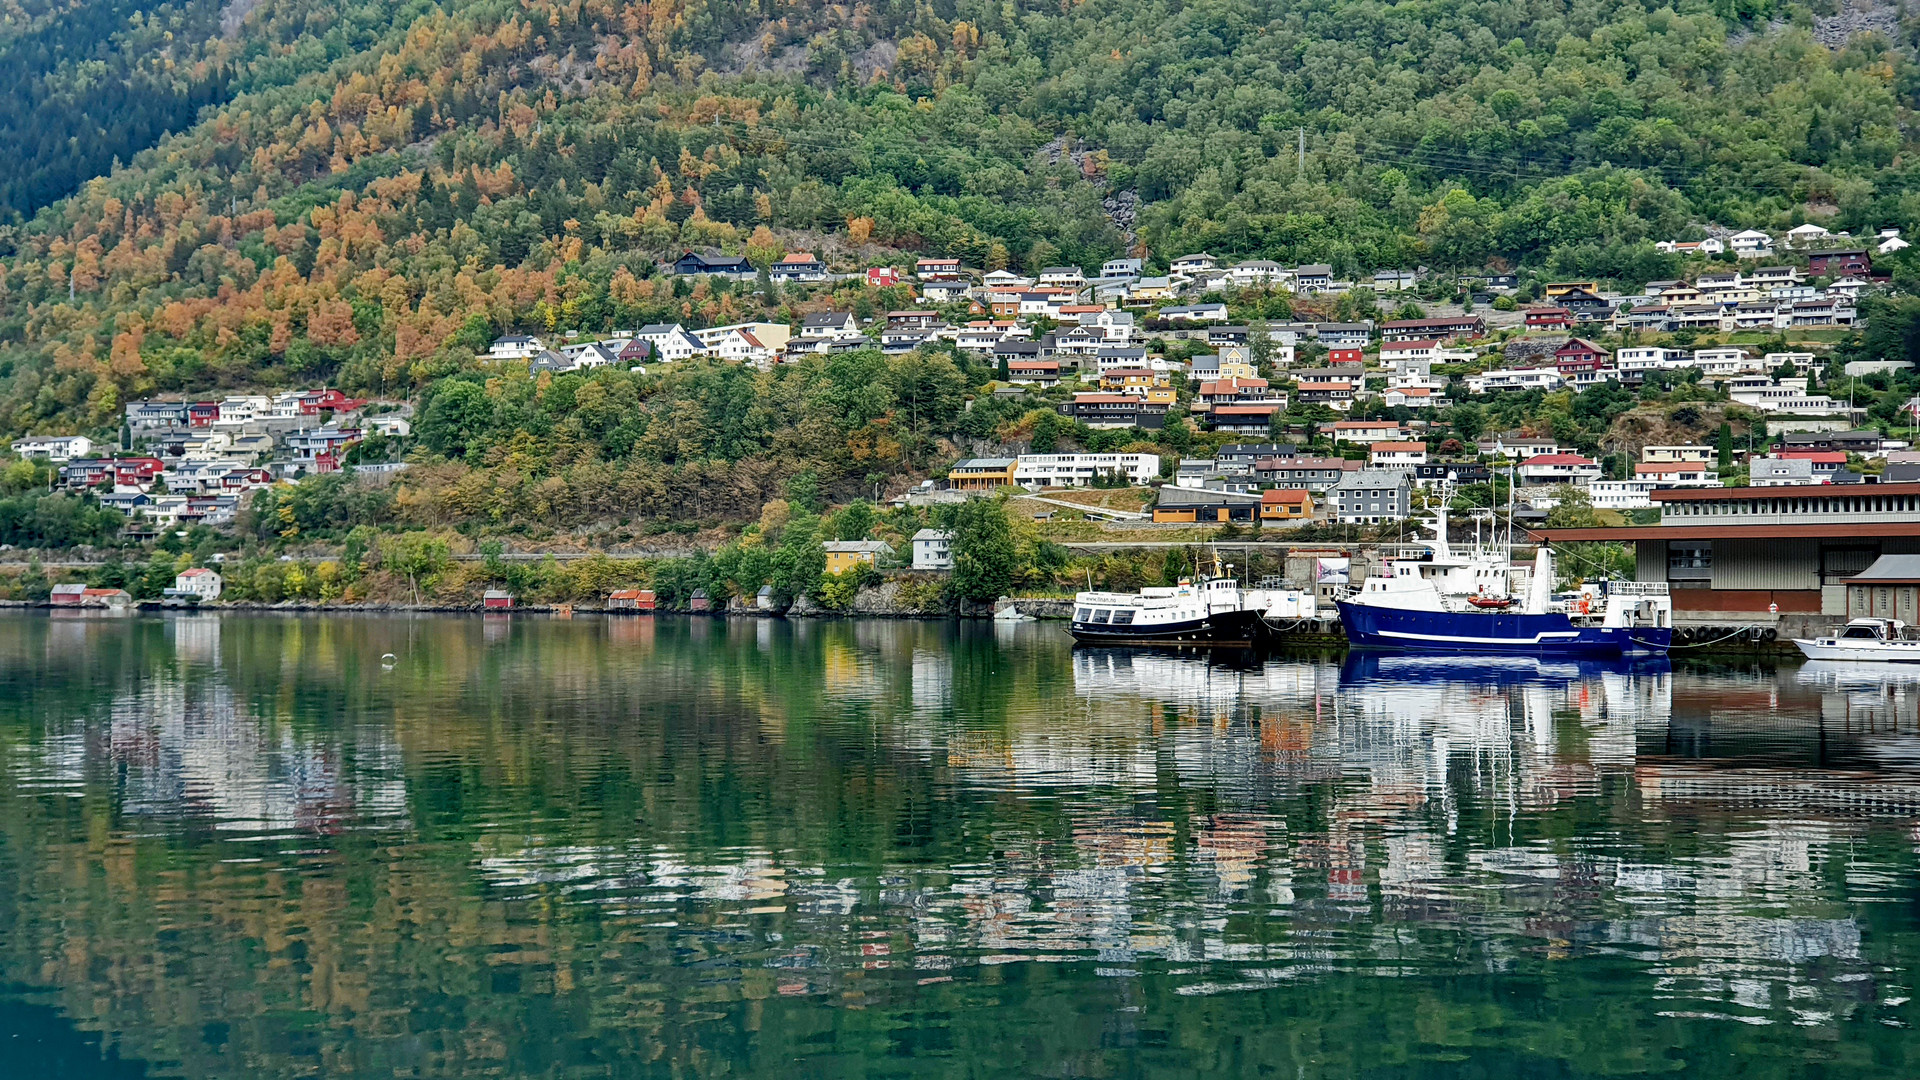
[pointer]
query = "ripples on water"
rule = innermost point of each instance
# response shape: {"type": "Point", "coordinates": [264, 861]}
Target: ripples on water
{"type": "Point", "coordinates": [241, 847]}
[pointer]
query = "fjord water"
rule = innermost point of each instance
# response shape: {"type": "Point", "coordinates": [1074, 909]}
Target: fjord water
{"type": "Point", "coordinates": [246, 846]}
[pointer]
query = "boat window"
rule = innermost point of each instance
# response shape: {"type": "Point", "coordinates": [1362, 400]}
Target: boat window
{"type": "Point", "coordinates": [1123, 617]}
{"type": "Point", "coordinates": [1081, 614]}
{"type": "Point", "coordinates": [1859, 632]}
{"type": "Point", "coordinates": [1102, 615]}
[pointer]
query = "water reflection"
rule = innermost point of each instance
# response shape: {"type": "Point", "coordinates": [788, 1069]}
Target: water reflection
{"type": "Point", "coordinates": [640, 846]}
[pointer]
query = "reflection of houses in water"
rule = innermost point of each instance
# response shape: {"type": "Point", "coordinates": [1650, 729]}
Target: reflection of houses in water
{"type": "Point", "coordinates": [195, 637]}
{"type": "Point", "coordinates": [185, 748]}
{"type": "Point", "coordinates": [932, 675]}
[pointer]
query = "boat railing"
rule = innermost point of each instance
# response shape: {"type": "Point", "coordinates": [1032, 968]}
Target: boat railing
{"type": "Point", "coordinates": [1638, 588]}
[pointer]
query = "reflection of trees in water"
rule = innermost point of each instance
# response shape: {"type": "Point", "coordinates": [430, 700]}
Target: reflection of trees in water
{"type": "Point", "coordinates": [682, 839]}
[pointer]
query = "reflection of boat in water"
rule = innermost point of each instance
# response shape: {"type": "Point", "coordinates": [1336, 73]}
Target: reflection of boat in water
{"type": "Point", "coordinates": [1856, 674]}
{"type": "Point", "coordinates": [1875, 641]}
{"type": "Point", "coordinates": [1371, 667]}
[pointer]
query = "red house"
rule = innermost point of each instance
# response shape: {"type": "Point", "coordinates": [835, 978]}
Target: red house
{"type": "Point", "coordinates": [496, 600]}
{"type": "Point", "coordinates": [315, 402]}
{"type": "Point", "coordinates": [202, 413]}
{"type": "Point", "coordinates": [1549, 318]}
{"type": "Point", "coordinates": [1346, 358]}
{"type": "Point", "coordinates": [881, 277]}
{"type": "Point", "coordinates": [136, 471]}
{"type": "Point", "coordinates": [1840, 263]}
{"type": "Point", "coordinates": [1579, 355]}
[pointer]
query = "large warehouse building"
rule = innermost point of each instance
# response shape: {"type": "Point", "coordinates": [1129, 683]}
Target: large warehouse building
{"type": "Point", "coordinates": [1731, 554]}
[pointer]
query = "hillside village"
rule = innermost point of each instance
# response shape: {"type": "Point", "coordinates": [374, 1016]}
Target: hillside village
{"type": "Point", "coordinates": [1157, 384]}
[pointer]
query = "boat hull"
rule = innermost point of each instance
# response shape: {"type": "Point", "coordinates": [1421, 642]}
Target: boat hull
{"type": "Point", "coordinates": [1228, 629]}
{"type": "Point", "coordinates": [1864, 653]}
{"type": "Point", "coordinates": [1371, 627]}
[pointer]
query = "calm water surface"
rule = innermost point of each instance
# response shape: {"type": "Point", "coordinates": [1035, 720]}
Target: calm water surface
{"type": "Point", "coordinates": [247, 847]}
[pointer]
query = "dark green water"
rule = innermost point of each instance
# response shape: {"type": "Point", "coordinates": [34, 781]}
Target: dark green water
{"type": "Point", "coordinates": [245, 847]}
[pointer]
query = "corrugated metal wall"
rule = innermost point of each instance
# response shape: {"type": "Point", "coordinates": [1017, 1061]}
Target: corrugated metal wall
{"type": "Point", "coordinates": [1766, 564]}
{"type": "Point", "coordinates": [1650, 560]}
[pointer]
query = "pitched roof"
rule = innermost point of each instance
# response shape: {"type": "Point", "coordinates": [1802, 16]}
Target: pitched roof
{"type": "Point", "coordinates": [1890, 569]}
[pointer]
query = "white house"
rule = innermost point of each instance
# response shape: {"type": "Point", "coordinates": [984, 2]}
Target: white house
{"type": "Point", "coordinates": [1722, 362]}
{"type": "Point", "coordinates": [1200, 313]}
{"type": "Point", "coordinates": [515, 347]}
{"type": "Point", "coordinates": [829, 325]}
{"type": "Point", "coordinates": [1751, 243]}
{"type": "Point", "coordinates": [1808, 235]}
{"type": "Point", "coordinates": [933, 549]}
{"type": "Point", "coordinates": [1412, 397]}
{"type": "Point", "coordinates": [1677, 474]}
{"type": "Point", "coordinates": [198, 582]}
{"type": "Point", "coordinates": [1677, 453]}
{"type": "Point", "coordinates": [1193, 264]}
{"type": "Point", "coordinates": [1259, 272]}
{"type": "Point", "coordinates": [737, 343]}
{"type": "Point", "coordinates": [1393, 353]}
{"type": "Point", "coordinates": [1641, 359]}
{"type": "Point", "coordinates": [1621, 494]}
{"type": "Point", "coordinates": [1392, 455]}
{"type": "Point", "coordinates": [1784, 396]}
{"type": "Point", "coordinates": [1063, 277]}
{"type": "Point", "coordinates": [1080, 470]}
{"type": "Point", "coordinates": [1549, 469]}
{"type": "Point", "coordinates": [1117, 325]}
{"type": "Point", "coordinates": [1544, 378]}
{"type": "Point", "coordinates": [670, 341]}
{"type": "Point", "coordinates": [1709, 246]}
{"type": "Point", "coordinates": [590, 355]}
{"type": "Point", "coordinates": [58, 448]}
{"type": "Point", "coordinates": [1890, 242]}
{"type": "Point", "coordinates": [244, 409]}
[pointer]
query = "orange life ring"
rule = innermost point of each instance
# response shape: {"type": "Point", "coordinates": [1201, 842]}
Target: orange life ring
{"type": "Point", "coordinates": [1584, 604]}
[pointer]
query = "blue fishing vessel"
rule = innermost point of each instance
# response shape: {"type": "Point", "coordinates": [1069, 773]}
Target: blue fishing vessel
{"type": "Point", "coordinates": [1432, 599]}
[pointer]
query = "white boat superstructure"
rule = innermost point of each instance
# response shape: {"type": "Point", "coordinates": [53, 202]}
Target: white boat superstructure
{"type": "Point", "coordinates": [1205, 610]}
{"type": "Point", "coordinates": [1873, 641]}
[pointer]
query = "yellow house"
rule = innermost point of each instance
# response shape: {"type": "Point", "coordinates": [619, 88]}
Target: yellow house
{"type": "Point", "coordinates": [1132, 380]}
{"type": "Point", "coordinates": [1236, 362]}
{"type": "Point", "coordinates": [1562, 288]}
{"type": "Point", "coordinates": [1286, 504]}
{"type": "Point", "coordinates": [844, 555]}
{"type": "Point", "coordinates": [981, 474]}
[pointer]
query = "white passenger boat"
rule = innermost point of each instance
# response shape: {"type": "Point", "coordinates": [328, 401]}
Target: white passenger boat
{"type": "Point", "coordinates": [1206, 610]}
{"type": "Point", "coordinates": [1873, 641]}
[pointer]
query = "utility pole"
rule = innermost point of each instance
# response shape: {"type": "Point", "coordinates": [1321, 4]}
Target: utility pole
{"type": "Point", "coordinates": [1303, 151]}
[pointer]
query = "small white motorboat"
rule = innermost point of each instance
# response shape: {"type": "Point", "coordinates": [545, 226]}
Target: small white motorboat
{"type": "Point", "coordinates": [1874, 641]}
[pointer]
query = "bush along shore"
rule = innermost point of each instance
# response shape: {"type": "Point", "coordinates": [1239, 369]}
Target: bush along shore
{"type": "Point", "coordinates": [779, 563]}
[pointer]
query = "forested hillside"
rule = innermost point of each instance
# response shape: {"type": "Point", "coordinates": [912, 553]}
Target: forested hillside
{"type": "Point", "coordinates": [371, 191]}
